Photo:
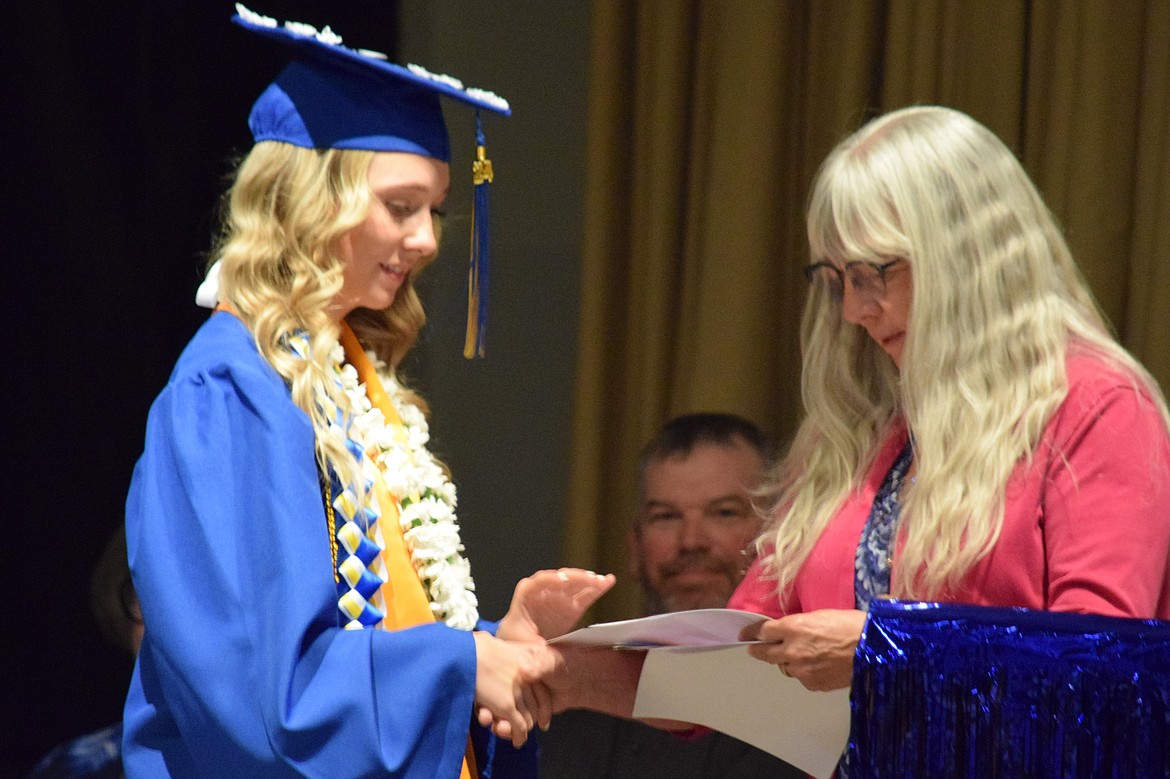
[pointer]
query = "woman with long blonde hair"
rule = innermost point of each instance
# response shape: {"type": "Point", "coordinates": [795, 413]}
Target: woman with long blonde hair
{"type": "Point", "coordinates": [293, 543]}
{"type": "Point", "coordinates": [973, 432]}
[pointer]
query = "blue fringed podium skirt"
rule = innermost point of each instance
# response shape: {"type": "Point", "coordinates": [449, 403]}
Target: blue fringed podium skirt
{"type": "Point", "coordinates": [969, 691]}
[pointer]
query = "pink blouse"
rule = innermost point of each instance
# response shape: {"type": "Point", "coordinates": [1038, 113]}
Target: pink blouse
{"type": "Point", "coordinates": [1086, 525]}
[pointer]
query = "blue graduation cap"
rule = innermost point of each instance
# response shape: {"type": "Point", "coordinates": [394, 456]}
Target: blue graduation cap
{"type": "Point", "coordinates": [335, 97]}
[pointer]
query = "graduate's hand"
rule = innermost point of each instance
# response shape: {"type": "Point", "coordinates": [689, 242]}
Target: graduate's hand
{"type": "Point", "coordinates": [549, 603]}
{"type": "Point", "coordinates": [508, 697]}
{"type": "Point", "coordinates": [816, 647]}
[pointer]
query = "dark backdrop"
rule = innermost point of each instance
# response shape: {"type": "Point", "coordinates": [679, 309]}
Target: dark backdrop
{"type": "Point", "coordinates": [120, 122]}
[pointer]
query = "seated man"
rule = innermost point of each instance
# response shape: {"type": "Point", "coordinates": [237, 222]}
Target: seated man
{"type": "Point", "coordinates": [689, 547]}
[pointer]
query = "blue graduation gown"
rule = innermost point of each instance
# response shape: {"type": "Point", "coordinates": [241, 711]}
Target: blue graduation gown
{"type": "Point", "coordinates": [244, 670]}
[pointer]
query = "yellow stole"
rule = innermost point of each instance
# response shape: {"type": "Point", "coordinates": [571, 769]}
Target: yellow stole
{"type": "Point", "coordinates": [405, 603]}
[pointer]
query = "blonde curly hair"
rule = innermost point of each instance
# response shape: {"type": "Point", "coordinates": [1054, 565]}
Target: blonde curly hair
{"type": "Point", "coordinates": [998, 303]}
{"type": "Point", "coordinates": [279, 271]}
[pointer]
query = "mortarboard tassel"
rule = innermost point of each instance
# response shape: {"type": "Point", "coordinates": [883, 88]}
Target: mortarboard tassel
{"type": "Point", "coordinates": [479, 267]}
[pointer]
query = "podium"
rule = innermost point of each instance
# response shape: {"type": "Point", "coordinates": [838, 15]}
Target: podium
{"type": "Point", "coordinates": [968, 691]}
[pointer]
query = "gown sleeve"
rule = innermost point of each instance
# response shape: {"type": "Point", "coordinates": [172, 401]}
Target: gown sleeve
{"type": "Point", "coordinates": [243, 670]}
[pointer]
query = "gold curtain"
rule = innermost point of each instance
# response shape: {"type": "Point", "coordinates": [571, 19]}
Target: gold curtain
{"type": "Point", "coordinates": [707, 121]}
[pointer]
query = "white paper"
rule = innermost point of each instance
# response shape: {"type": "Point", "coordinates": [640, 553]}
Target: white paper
{"type": "Point", "coordinates": [728, 690]}
{"type": "Point", "coordinates": [696, 628]}
{"type": "Point", "coordinates": [698, 671]}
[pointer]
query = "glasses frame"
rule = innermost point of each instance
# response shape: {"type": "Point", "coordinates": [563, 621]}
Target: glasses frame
{"type": "Point", "coordinates": [810, 274]}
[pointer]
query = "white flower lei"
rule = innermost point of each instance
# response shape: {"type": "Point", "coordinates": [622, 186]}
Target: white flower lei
{"type": "Point", "coordinates": [426, 496]}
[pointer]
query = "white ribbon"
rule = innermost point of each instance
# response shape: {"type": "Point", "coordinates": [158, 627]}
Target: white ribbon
{"type": "Point", "coordinates": [208, 293]}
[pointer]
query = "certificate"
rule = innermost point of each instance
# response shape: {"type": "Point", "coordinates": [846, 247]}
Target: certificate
{"type": "Point", "coordinates": [697, 670]}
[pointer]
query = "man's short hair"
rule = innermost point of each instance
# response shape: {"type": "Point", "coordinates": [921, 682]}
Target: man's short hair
{"type": "Point", "coordinates": [683, 433]}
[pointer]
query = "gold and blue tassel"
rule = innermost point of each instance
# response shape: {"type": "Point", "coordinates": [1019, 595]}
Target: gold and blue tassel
{"type": "Point", "coordinates": [479, 267]}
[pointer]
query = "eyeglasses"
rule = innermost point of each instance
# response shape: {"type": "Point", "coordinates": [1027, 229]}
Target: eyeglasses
{"type": "Point", "coordinates": [867, 279]}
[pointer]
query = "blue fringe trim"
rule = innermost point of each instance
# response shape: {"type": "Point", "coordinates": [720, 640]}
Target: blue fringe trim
{"type": "Point", "coordinates": [969, 691]}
